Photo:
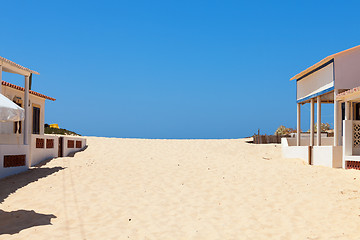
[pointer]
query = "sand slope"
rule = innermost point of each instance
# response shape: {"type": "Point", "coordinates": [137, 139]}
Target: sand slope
{"type": "Point", "coordinates": [180, 189]}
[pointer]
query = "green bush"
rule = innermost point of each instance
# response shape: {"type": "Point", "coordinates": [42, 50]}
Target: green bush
{"type": "Point", "coordinates": [60, 131]}
{"type": "Point", "coordinates": [282, 130]}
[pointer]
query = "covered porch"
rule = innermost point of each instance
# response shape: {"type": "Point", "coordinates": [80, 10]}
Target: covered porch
{"type": "Point", "coordinates": [11, 67]}
{"type": "Point", "coordinates": [351, 127]}
{"type": "Point", "coordinates": [15, 150]}
{"type": "Point", "coordinates": [315, 87]}
{"type": "Point", "coordinates": [317, 149]}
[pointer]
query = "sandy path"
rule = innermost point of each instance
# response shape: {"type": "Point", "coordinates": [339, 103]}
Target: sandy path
{"type": "Point", "coordinates": [180, 189]}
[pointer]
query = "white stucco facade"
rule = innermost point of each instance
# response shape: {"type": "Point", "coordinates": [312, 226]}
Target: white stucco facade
{"type": "Point", "coordinates": [7, 128]}
{"type": "Point", "coordinates": [24, 144]}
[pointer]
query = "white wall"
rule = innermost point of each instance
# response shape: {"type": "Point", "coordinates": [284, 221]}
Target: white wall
{"type": "Point", "coordinates": [348, 137]}
{"type": "Point", "coordinates": [347, 70]}
{"type": "Point", "coordinates": [305, 141]}
{"type": "Point", "coordinates": [67, 150]}
{"type": "Point", "coordinates": [9, 139]}
{"type": "Point", "coordinates": [291, 151]}
{"type": "Point", "coordinates": [322, 156]}
{"type": "Point", "coordinates": [315, 82]}
{"type": "Point", "coordinates": [337, 157]}
{"type": "Point", "coordinates": [11, 93]}
{"type": "Point", "coordinates": [328, 156]}
{"type": "Point", "coordinates": [13, 150]}
{"type": "Point", "coordinates": [41, 154]}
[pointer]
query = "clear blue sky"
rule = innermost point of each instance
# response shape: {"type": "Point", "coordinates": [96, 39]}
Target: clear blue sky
{"type": "Point", "coordinates": [173, 69]}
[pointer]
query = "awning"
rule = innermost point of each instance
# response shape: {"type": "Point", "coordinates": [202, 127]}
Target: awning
{"type": "Point", "coordinates": [9, 111]}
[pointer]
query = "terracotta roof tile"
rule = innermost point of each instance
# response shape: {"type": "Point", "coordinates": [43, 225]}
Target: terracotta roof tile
{"type": "Point", "coordinates": [23, 89]}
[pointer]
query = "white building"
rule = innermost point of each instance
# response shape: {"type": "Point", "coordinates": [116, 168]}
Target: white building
{"type": "Point", "coordinates": [23, 144]}
{"type": "Point", "coordinates": [321, 84]}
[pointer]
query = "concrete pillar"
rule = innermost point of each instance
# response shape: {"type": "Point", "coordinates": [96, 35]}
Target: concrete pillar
{"type": "Point", "coordinates": [0, 79]}
{"type": "Point", "coordinates": [312, 122]}
{"type": "Point", "coordinates": [336, 121]}
{"type": "Point", "coordinates": [318, 115]}
{"type": "Point", "coordinates": [347, 110]}
{"type": "Point", "coordinates": [298, 130]}
{"type": "Point", "coordinates": [27, 113]}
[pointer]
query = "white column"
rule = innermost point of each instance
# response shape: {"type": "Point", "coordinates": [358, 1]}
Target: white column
{"type": "Point", "coordinates": [336, 122]}
{"type": "Point", "coordinates": [27, 112]}
{"type": "Point", "coordinates": [0, 79]}
{"type": "Point", "coordinates": [347, 110]}
{"type": "Point", "coordinates": [318, 115]}
{"type": "Point", "coordinates": [298, 130]}
{"type": "Point", "coordinates": [312, 122]}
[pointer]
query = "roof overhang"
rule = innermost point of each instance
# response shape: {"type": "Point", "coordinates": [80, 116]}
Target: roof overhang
{"type": "Point", "coordinates": [11, 67]}
{"type": "Point", "coordinates": [320, 63]}
{"type": "Point", "coordinates": [349, 95]}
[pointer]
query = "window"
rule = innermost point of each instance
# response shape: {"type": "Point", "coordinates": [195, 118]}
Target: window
{"type": "Point", "coordinates": [17, 125]}
{"type": "Point", "coordinates": [357, 111]}
{"type": "Point", "coordinates": [36, 120]}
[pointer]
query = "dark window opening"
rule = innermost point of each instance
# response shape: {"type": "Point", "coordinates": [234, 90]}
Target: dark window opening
{"type": "Point", "coordinates": [36, 120]}
{"type": "Point", "coordinates": [357, 111]}
{"type": "Point", "coordinates": [17, 125]}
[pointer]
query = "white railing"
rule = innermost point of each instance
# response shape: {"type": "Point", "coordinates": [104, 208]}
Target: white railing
{"type": "Point", "coordinates": [355, 137]}
{"type": "Point", "coordinates": [351, 138]}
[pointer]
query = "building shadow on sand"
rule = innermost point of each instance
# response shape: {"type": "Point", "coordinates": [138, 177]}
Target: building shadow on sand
{"type": "Point", "coordinates": [15, 221]}
{"type": "Point", "coordinates": [11, 184]}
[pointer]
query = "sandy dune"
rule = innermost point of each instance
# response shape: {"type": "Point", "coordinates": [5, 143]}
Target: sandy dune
{"type": "Point", "coordinates": [180, 189]}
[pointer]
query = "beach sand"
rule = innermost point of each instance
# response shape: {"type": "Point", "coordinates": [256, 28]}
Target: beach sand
{"type": "Point", "coordinates": [180, 189]}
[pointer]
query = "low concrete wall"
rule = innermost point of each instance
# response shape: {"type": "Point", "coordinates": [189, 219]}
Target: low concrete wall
{"type": "Point", "coordinates": [68, 149]}
{"type": "Point", "coordinates": [322, 156]}
{"type": "Point", "coordinates": [39, 150]}
{"type": "Point", "coordinates": [46, 152]}
{"type": "Point", "coordinates": [329, 156]}
{"type": "Point", "coordinates": [337, 157]}
{"type": "Point", "coordinates": [70, 145]}
{"type": "Point", "coordinates": [13, 150]}
{"type": "Point", "coordinates": [292, 151]}
{"type": "Point", "coordinates": [305, 141]}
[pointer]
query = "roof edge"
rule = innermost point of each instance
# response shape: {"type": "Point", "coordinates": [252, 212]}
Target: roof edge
{"type": "Point", "coordinates": [4, 83]}
{"type": "Point", "coordinates": [4, 60]}
{"type": "Point", "coordinates": [321, 62]}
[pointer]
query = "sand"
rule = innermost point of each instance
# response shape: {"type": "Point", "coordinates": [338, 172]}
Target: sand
{"type": "Point", "coordinates": [180, 189]}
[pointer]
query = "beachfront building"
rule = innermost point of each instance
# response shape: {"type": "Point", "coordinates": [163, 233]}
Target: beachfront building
{"type": "Point", "coordinates": [23, 143]}
{"type": "Point", "coordinates": [319, 84]}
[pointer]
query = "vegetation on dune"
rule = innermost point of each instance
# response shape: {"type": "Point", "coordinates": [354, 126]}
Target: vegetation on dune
{"type": "Point", "coordinates": [60, 131]}
{"type": "Point", "coordinates": [324, 127]}
{"type": "Point", "coordinates": [282, 130]}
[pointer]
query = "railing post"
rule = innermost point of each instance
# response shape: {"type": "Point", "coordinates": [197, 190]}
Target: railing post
{"type": "Point", "coordinates": [336, 120]}
{"type": "Point", "coordinates": [318, 115]}
{"type": "Point", "coordinates": [0, 79]}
